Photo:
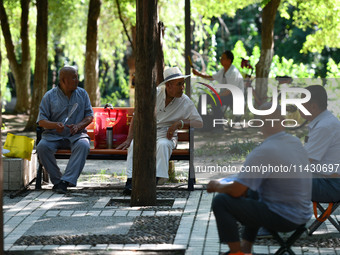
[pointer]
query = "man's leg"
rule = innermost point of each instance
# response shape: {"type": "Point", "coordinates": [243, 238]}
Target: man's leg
{"type": "Point", "coordinates": [164, 150]}
{"type": "Point", "coordinates": [129, 166]}
{"type": "Point", "coordinates": [250, 213]}
{"type": "Point", "coordinates": [227, 101]}
{"type": "Point", "coordinates": [129, 160]}
{"type": "Point", "coordinates": [46, 150]}
{"type": "Point", "coordinates": [79, 151]}
{"type": "Point", "coordinates": [326, 189]}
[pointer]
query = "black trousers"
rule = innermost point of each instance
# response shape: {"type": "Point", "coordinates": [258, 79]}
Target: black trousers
{"type": "Point", "coordinates": [251, 213]}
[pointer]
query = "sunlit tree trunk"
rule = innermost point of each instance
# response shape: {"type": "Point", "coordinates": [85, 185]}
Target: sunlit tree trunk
{"type": "Point", "coordinates": [41, 63]}
{"type": "Point", "coordinates": [21, 71]}
{"type": "Point", "coordinates": [144, 149]}
{"type": "Point", "coordinates": [91, 61]}
{"type": "Point", "coordinates": [267, 49]}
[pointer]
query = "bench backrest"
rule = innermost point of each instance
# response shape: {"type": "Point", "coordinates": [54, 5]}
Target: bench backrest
{"type": "Point", "coordinates": [119, 118]}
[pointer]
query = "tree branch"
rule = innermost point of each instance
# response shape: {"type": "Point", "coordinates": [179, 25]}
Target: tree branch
{"type": "Point", "coordinates": [124, 26]}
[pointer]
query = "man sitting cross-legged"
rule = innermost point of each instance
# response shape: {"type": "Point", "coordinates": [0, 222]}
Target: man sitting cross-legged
{"type": "Point", "coordinates": [174, 111]}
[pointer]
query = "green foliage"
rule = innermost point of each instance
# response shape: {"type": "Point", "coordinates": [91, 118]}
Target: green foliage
{"type": "Point", "coordinates": [13, 10]}
{"type": "Point", "coordinates": [173, 43]}
{"type": "Point", "coordinates": [111, 38]}
{"type": "Point", "coordinates": [320, 15]}
{"type": "Point", "coordinates": [213, 58]}
{"type": "Point", "coordinates": [5, 91]}
{"type": "Point", "coordinates": [242, 148]}
{"type": "Point", "coordinates": [123, 81]}
{"type": "Point", "coordinates": [114, 99]}
{"type": "Point", "coordinates": [69, 35]}
{"type": "Point", "coordinates": [333, 69]}
{"type": "Point", "coordinates": [333, 86]}
{"type": "Point", "coordinates": [283, 66]}
{"type": "Point", "coordinates": [216, 8]}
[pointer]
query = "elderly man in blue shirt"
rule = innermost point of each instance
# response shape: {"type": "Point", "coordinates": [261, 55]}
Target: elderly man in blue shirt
{"type": "Point", "coordinates": [63, 130]}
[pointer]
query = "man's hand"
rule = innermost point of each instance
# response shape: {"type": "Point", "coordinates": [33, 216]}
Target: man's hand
{"type": "Point", "coordinates": [195, 72]}
{"type": "Point", "coordinates": [74, 128]}
{"type": "Point", "coordinates": [213, 186]}
{"type": "Point", "coordinates": [172, 129]}
{"type": "Point", "coordinates": [125, 144]}
{"type": "Point", "coordinates": [234, 189]}
{"type": "Point", "coordinates": [225, 93]}
{"type": "Point", "coordinates": [59, 127]}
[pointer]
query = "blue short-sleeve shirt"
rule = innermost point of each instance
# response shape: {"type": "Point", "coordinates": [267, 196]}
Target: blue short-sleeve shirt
{"type": "Point", "coordinates": [286, 193]}
{"type": "Point", "coordinates": [55, 107]}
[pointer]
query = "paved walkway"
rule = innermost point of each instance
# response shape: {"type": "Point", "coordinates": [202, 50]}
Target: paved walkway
{"type": "Point", "coordinates": [196, 234]}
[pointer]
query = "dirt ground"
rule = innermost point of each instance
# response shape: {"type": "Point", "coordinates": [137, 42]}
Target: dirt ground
{"type": "Point", "coordinates": [15, 124]}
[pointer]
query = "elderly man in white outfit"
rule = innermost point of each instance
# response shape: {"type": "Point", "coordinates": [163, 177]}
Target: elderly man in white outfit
{"type": "Point", "coordinates": [174, 110]}
{"type": "Point", "coordinates": [228, 74]}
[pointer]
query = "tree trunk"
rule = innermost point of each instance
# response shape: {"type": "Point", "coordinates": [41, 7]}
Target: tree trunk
{"type": "Point", "coordinates": [267, 49]}
{"type": "Point", "coordinates": [144, 149]}
{"type": "Point", "coordinates": [159, 53]}
{"type": "Point", "coordinates": [1, 175]}
{"type": "Point", "coordinates": [41, 63]}
{"type": "Point", "coordinates": [91, 59]}
{"type": "Point", "coordinates": [21, 71]}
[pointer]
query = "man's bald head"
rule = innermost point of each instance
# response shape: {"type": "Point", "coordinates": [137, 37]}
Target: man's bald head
{"type": "Point", "coordinates": [68, 79]}
{"type": "Point", "coordinates": [66, 70]}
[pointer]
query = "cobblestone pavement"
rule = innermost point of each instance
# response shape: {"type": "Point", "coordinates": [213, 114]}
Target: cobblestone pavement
{"type": "Point", "coordinates": [46, 222]}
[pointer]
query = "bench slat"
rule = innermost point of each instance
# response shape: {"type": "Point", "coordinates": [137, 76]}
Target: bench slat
{"type": "Point", "coordinates": [183, 136]}
{"type": "Point", "coordinates": [118, 152]}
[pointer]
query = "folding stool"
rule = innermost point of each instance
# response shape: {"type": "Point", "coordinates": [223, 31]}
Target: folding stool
{"type": "Point", "coordinates": [286, 244]}
{"type": "Point", "coordinates": [326, 214]}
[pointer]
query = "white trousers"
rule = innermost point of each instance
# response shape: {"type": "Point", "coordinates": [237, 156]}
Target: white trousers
{"type": "Point", "coordinates": [164, 148]}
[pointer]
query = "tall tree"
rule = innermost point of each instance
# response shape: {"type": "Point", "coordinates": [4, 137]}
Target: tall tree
{"type": "Point", "coordinates": [1, 174]}
{"type": "Point", "coordinates": [144, 157]}
{"type": "Point", "coordinates": [91, 59]}
{"type": "Point", "coordinates": [267, 48]}
{"type": "Point", "coordinates": [41, 63]}
{"type": "Point", "coordinates": [21, 70]}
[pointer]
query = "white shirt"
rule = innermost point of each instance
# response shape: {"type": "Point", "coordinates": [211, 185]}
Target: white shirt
{"type": "Point", "coordinates": [323, 144]}
{"type": "Point", "coordinates": [181, 108]}
{"type": "Point", "coordinates": [232, 76]}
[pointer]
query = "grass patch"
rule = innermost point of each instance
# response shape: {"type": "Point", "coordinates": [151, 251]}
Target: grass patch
{"type": "Point", "coordinates": [241, 148]}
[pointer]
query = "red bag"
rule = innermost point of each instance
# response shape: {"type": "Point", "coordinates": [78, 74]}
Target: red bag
{"type": "Point", "coordinates": [115, 118]}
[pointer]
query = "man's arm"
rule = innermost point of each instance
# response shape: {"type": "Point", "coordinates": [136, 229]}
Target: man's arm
{"type": "Point", "coordinates": [225, 93]}
{"type": "Point", "coordinates": [202, 75]}
{"type": "Point", "coordinates": [46, 124]}
{"type": "Point", "coordinates": [186, 124]}
{"type": "Point", "coordinates": [129, 138]}
{"type": "Point", "coordinates": [75, 128]}
{"type": "Point", "coordinates": [234, 189]}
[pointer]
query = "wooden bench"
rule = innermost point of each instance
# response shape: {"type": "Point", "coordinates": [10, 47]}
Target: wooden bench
{"type": "Point", "coordinates": [184, 136]}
